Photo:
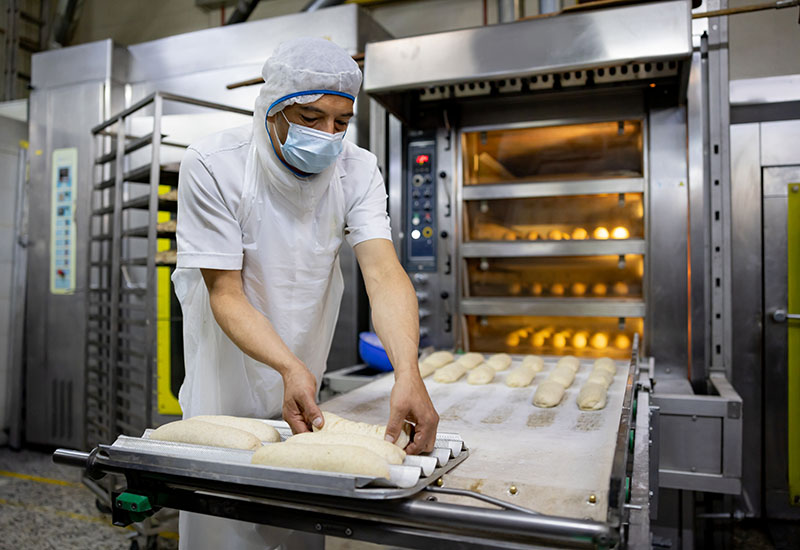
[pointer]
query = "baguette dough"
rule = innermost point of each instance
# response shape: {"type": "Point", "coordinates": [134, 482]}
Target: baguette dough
{"type": "Point", "coordinates": [198, 432]}
{"type": "Point", "coordinates": [434, 361]}
{"type": "Point", "coordinates": [388, 451]}
{"type": "Point", "coordinates": [521, 376]}
{"type": "Point", "coordinates": [563, 375]}
{"type": "Point", "coordinates": [470, 360]}
{"type": "Point", "coordinates": [601, 376]}
{"type": "Point", "coordinates": [335, 423]}
{"type": "Point", "coordinates": [592, 396]}
{"type": "Point", "coordinates": [262, 431]}
{"type": "Point", "coordinates": [606, 364]}
{"type": "Point", "coordinates": [548, 394]}
{"type": "Point", "coordinates": [450, 373]}
{"type": "Point", "coordinates": [426, 369]}
{"type": "Point", "coordinates": [570, 361]}
{"type": "Point", "coordinates": [533, 361]}
{"type": "Point", "coordinates": [346, 459]}
{"type": "Point", "coordinates": [499, 361]}
{"type": "Point", "coordinates": [481, 375]}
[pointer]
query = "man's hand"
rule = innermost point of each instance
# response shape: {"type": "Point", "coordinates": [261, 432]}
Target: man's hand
{"type": "Point", "coordinates": [410, 401]}
{"type": "Point", "coordinates": [300, 409]}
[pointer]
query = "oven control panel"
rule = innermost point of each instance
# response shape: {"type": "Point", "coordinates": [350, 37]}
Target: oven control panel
{"type": "Point", "coordinates": [420, 195]}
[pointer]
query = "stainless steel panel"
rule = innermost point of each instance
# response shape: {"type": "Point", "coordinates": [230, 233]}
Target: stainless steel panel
{"type": "Point", "coordinates": [552, 189]}
{"type": "Point", "coordinates": [394, 175]}
{"type": "Point", "coordinates": [692, 443]}
{"type": "Point", "coordinates": [774, 89]}
{"type": "Point", "coordinates": [507, 249]}
{"type": "Point", "coordinates": [746, 259]}
{"type": "Point", "coordinates": [666, 329]}
{"type": "Point", "coordinates": [779, 143]}
{"type": "Point", "coordinates": [553, 306]}
{"type": "Point", "coordinates": [538, 46]}
{"type": "Point", "coordinates": [76, 64]}
{"type": "Point", "coordinates": [775, 181]}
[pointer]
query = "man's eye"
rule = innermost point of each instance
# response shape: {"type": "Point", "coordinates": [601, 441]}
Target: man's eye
{"type": "Point", "coordinates": [308, 119]}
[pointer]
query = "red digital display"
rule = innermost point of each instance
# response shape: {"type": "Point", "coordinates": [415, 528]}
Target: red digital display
{"type": "Point", "coordinates": [422, 159]}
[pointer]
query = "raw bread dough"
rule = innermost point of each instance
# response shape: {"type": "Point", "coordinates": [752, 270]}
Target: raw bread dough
{"type": "Point", "coordinates": [521, 376]}
{"type": "Point", "coordinates": [426, 369]}
{"type": "Point", "coordinates": [548, 394]}
{"type": "Point", "coordinates": [198, 432]}
{"type": "Point", "coordinates": [533, 361]}
{"type": "Point", "coordinates": [346, 459]}
{"type": "Point", "coordinates": [389, 452]}
{"type": "Point", "coordinates": [570, 361]}
{"type": "Point", "coordinates": [434, 361]}
{"type": "Point", "coordinates": [335, 423]}
{"type": "Point", "coordinates": [601, 376]}
{"type": "Point", "coordinates": [563, 375]}
{"type": "Point", "coordinates": [606, 364]}
{"type": "Point", "coordinates": [261, 430]}
{"type": "Point", "coordinates": [450, 373]}
{"type": "Point", "coordinates": [481, 375]}
{"type": "Point", "coordinates": [470, 360]}
{"type": "Point", "coordinates": [499, 361]}
{"type": "Point", "coordinates": [592, 396]}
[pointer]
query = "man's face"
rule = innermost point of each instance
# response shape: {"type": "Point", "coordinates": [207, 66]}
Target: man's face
{"type": "Point", "coordinates": [330, 113]}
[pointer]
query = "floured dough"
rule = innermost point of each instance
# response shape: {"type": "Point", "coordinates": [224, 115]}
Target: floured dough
{"type": "Point", "coordinates": [563, 375]}
{"type": "Point", "coordinates": [499, 361]}
{"type": "Point", "coordinates": [533, 361]}
{"type": "Point", "coordinates": [470, 360]}
{"type": "Point", "coordinates": [606, 364]}
{"type": "Point", "coordinates": [335, 423]}
{"type": "Point", "coordinates": [482, 374]}
{"type": "Point", "coordinates": [450, 373]}
{"type": "Point", "coordinates": [570, 361]}
{"type": "Point", "coordinates": [346, 459]}
{"type": "Point", "coordinates": [548, 394]}
{"type": "Point", "coordinates": [389, 452]}
{"type": "Point", "coordinates": [601, 376]}
{"type": "Point", "coordinates": [592, 396]}
{"type": "Point", "coordinates": [263, 431]}
{"type": "Point", "coordinates": [426, 369]}
{"type": "Point", "coordinates": [521, 376]}
{"type": "Point", "coordinates": [198, 432]}
{"type": "Point", "coordinates": [434, 361]}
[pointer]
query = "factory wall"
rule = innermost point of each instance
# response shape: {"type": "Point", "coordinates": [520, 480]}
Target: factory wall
{"type": "Point", "coordinates": [761, 44]}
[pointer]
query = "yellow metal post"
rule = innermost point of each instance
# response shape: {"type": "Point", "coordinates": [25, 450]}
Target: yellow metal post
{"type": "Point", "coordinates": [167, 401]}
{"type": "Point", "coordinates": [793, 343]}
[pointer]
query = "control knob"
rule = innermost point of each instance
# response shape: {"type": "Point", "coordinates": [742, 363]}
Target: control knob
{"type": "Point", "coordinates": [420, 278]}
{"type": "Point", "coordinates": [422, 296]}
{"type": "Point", "coordinates": [424, 313]}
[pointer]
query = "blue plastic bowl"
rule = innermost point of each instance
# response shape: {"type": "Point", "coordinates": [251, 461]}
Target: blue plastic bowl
{"type": "Point", "coordinates": [372, 353]}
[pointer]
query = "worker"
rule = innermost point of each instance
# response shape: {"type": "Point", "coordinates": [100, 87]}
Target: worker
{"type": "Point", "coordinates": [263, 211]}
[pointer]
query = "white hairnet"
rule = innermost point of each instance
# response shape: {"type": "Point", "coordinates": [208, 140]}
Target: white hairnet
{"type": "Point", "coordinates": [302, 65]}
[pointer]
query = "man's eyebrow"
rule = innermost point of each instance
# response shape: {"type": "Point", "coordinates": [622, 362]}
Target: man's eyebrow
{"type": "Point", "coordinates": [319, 111]}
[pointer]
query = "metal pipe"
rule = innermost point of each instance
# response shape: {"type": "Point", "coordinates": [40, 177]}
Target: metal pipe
{"type": "Point", "coordinates": [510, 10]}
{"type": "Point", "coordinates": [479, 496]}
{"type": "Point", "coordinates": [70, 457]}
{"type": "Point", "coordinates": [549, 6]}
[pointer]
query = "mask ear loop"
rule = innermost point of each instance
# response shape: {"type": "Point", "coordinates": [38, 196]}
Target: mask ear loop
{"type": "Point", "coordinates": [271, 142]}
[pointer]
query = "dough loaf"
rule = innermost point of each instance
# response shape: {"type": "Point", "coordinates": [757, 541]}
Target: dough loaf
{"type": "Point", "coordinates": [533, 361]}
{"type": "Point", "coordinates": [434, 361]}
{"type": "Point", "coordinates": [346, 459]}
{"type": "Point", "coordinates": [606, 364]}
{"type": "Point", "coordinates": [570, 361]}
{"type": "Point", "coordinates": [592, 396]}
{"type": "Point", "coordinates": [521, 376]}
{"type": "Point", "coordinates": [261, 430]}
{"type": "Point", "coordinates": [426, 369]}
{"type": "Point", "coordinates": [548, 394]}
{"type": "Point", "coordinates": [601, 376]}
{"type": "Point", "coordinates": [337, 424]}
{"type": "Point", "coordinates": [563, 375]}
{"type": "Point", "coordinates": [499, 361]}
{"type": "Point", "coordinates": [199, 432]}
{"type": "Point", "coordinates": [388, 451]}
{"type": "Point", "coordinates": [481, 375]}
{"type": "Point", "coordinates": [470, 360]}
{"type": "Point", "coordinates": [450, 373]}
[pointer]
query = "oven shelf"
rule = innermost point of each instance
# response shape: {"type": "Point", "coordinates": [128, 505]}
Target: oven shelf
{"type": "Point", "coordinates": [523, 249]}
{"type": "Point", "coordinates": [535, 189]}
{"type": "Point", "coordinates": [567, 307]}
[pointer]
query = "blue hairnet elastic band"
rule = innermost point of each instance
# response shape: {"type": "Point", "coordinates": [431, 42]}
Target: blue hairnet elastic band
{"type": "Point", "coordinates": [310, 92]}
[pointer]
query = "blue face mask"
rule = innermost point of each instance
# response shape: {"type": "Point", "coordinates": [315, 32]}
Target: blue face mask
{"type": "Point", "coordinates": [310, 150]}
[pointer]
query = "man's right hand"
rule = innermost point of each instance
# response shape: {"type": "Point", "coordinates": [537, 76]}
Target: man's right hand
{"type": "Point", "coordinates": [300, 409]}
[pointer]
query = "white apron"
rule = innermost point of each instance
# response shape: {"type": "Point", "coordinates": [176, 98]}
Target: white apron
{"type": "Point", "coordinates": [291, 232]}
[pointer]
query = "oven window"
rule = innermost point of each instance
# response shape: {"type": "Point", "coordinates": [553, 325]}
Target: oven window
{"type": "Point", "coordinates": [579, 336]}
{"type": "Point", "coordinates": [553, 153]}
{"type": "Point", "coordinates": [580, 217]}
{"type": "Point", "coordinates": [603, 277]}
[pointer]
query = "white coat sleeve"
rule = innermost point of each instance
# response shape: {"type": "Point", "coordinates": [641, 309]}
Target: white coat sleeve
{"type": "Point", "coordinates": [208, 234]}
{"type": "Point", "coordinates": [367, 218]}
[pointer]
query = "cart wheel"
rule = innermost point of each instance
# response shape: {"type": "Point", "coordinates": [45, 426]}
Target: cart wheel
{"type": "Point", "coordinates": [102, 507]}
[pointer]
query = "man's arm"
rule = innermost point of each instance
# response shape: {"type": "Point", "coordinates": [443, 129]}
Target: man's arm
{"type": "Point", "coordinates": [396, 320]}
{"type": "Point", "coordinates": [256, 337]}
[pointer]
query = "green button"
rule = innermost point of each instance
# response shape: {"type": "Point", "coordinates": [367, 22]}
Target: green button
{"type": "Point", "coordinates": [133, 503]}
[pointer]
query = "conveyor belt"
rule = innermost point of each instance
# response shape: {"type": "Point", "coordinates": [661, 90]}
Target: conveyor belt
{"type": "Point", "coordinates": [554, 461]}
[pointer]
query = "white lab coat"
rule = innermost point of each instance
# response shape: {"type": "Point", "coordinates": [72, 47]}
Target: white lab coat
{"type": "Point", "coordinates": [238, 209]}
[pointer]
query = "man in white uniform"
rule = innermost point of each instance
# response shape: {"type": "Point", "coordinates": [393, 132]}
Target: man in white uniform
{"type": "Point", "coordinates": [262, 213]}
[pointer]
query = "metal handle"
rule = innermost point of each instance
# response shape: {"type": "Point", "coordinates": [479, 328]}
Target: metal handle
{"type": "Point", "coordinates": [780, 316]}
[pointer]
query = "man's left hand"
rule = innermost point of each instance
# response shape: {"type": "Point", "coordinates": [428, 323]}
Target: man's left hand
{"type": "Point", "coordinates": [410, 401]}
